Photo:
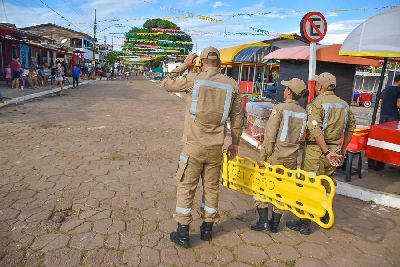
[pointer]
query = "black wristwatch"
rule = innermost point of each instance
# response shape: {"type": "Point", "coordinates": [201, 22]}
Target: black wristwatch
{"type": "Point", "coordinates": [326, 153]}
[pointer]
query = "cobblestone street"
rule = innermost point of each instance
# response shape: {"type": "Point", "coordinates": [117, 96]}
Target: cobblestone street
{"type": "Point", "coordinates": [87, 180]}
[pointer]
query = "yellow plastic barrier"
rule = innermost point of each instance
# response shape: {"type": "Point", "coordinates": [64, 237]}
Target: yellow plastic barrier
{"type": "Point", "coordinates": [294, 190]}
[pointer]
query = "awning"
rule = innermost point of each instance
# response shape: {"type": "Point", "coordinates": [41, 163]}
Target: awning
{"type": "Point", "coordinates": [228, 54]}
{"type": "Point", "coordinates": [248, 54]}
{"type": "Point", "coordinates": [378, 36]}
{"type": "Point", "coordinates": [326, 53]}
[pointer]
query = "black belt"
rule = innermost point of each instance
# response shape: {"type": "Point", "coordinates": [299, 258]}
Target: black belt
{"type": "Point", "coordinates": [315, 143]}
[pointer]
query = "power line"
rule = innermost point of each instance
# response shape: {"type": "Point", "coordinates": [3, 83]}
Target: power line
{"type": "Point", "coordinates": [61, 16]}
{"type": "Point", "coordinates": [4, 8]}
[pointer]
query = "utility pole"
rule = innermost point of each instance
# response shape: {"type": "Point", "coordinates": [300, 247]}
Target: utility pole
{"type": "Point", "coordinates": [112, 43]}
{"type": "Point", "coordinates": [94, 36]}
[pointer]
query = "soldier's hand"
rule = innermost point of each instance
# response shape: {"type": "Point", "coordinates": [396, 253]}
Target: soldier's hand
{"type": "Point", "coordinates": [260, 164]}
{"type": "Point", "coordinates": [190, 60]}
{"type": "Point", "coordinates": [233, 151]}
{"type": "Point", "coordinates": [335, 159]}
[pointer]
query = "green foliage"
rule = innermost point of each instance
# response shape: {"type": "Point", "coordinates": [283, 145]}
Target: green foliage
{"type": "Point", "coordinates": [159, 23]}
{"type": "Point", "coordinates": [164, 24]}
{"type": "Point", "coordinates": [113, 57]}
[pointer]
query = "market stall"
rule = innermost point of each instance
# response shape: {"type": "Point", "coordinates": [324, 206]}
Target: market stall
{"type": "Point", "coordinates": [379, 37]}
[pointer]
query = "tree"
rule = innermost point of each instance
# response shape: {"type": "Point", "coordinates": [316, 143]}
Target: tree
{"type": "Point", "coordinates": [157, 44]}
{"type": "Point", "coordinates": [113, 57]}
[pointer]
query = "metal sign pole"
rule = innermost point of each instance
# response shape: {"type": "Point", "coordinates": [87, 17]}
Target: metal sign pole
{"type": "Point", "coordinates": [313, 60]}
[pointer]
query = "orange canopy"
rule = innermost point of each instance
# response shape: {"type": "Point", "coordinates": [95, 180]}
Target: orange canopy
{"type": "Point", "coordinates": [327, 53]}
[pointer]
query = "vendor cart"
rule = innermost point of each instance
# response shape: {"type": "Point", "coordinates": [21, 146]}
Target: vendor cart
{"type": "Point", "coordinates": [379, 37]}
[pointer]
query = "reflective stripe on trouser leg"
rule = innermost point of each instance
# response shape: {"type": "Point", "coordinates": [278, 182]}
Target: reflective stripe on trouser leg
{"type": "Point", "coordinates": [186, 189]}
{"type": "Point", "coordinates": [259, 204]}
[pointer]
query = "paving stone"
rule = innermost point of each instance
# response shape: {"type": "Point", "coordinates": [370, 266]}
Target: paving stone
{"type": "Point", "coordinates": [112, 242]}
{"type": "Point", "coordinates": [50, 242]}
{"type": "Point", "coordinates": [152, 239]}
{"type": "Point", "coordinates": [250, 254]}
{"type": "Point", "coordinates": [342, 262]}
{"type": "Point", "coordinates": [214, 255]}
{"type": "Point", "coordinates": [282, 252]}
{"type": "Point", "coordinates": [149, 257]}
{"type": "Point", "coordinates": [87, 241]}
{"type": "Point", "coordinates": [156, 214]}
{"type": "Point", "coordinates": [103, 257]}
{"type": "Point", "coordinates": [131, 256]}
{"type": "Point", "coordinates": [71, 224]}
{"type": "Point", "coordinates": [64, 257]}
{"type": "Point", "coordinates": [228, 239]}
{"type": "Point", "coordinates": [83, 228]}
{"type": "Point", "coordinates": [256, 238]}
{"type": "Point", "coordinates": [108, 226]}
{"type": "Point", "coordinates": [310, 262]}
{"type": "Point", "coordinates": [169, 256]}
{"type": "Point", "coordinates": [187, 256]}
{"type": "Point", "coordinates": [128, 240]}
{"type": "Point", "coordinates": [7, 214]}
{"type": "Point", "coordinates": [313, 250]}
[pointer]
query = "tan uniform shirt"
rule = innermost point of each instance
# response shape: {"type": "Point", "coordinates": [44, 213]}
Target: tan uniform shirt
{"type": "Point", "coordinates": [211, 98]}
{"type": "Point", "coordinates": [283, 132]}
{"type": "Point", "coordinates": [330, 116]}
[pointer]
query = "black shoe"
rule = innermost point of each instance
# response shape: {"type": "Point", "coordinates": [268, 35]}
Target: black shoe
{"type": "Point", "coordinates": [274, 222]}
{"type": "Point", "coordinates": [326, 218]}
{"type": "Point", "coordinates": [262, 224]}
{"type": "Point", "coordinates": [302, 225]}
{"type": "Point", "coordinates": [181, 236]}
{"type": "Point", "coordinates": [205, 231]}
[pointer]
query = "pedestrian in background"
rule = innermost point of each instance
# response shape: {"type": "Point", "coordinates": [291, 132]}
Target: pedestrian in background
{"type": "Point", "coordinates": [211, 98]}
{"type": "Point", "coordinates": [16, 73]}
{"type": "Point", "coordinates": [58, 76]}
{"type": "Point", "coordinates": [284, 131]}
{"type": "Point", "coordinates": [328, 118]}
{"type": "Point", "coordinates": [76, 72]}
{"type": "Point", "coordinates": [8, 74]}
{"type": "Point", "coordinates": [390, 102]}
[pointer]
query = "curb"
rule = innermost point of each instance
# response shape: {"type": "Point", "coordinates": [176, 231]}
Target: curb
{"type": "Point", "coordinates": [342, 188]}
{"type": "Point", "coordinates": [35, 95]}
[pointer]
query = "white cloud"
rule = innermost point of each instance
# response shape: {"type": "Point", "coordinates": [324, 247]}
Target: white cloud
{"type": "Point", "coordinates": [218, 4]}
{"type": "Point", "coordinates": [339, 30]}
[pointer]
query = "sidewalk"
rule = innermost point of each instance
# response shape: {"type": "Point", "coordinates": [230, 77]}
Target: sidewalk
{"type": "Point", "coordinates": [14, 96]}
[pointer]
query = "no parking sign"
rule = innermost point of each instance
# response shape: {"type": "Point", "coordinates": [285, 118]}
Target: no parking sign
{"type": "Point", "coordinates": [313, 27]}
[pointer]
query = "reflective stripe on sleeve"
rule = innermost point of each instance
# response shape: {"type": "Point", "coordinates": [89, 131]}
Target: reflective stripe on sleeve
{"type": "Point", "coordinates": [285, 128]}
{"type": "Point", "coordinates": [327, 107]}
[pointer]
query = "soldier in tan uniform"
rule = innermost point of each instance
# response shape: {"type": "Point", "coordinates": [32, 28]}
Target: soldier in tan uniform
{"type": "Point", "coordinates": [328, 118]}
{"type": "Point", "coordinates": [283, 133]}
{"type": "Point", "coordinates": [211, 98]}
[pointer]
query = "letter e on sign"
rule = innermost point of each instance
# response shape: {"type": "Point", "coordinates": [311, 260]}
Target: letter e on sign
{"type": "Point", "coordinates": [313, 27]}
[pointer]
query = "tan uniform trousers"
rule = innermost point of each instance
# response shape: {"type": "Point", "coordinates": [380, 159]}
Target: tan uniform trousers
{"type": "Point", "coordinates": [316, 163]}
{"type": "Point", "coordinates": [196, 162]}
{"type": "Point", "coordinates": [260, 204]}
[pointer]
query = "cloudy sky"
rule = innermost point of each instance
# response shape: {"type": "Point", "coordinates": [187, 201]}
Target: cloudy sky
{"type": "Point", "coordinates": [117, 16]}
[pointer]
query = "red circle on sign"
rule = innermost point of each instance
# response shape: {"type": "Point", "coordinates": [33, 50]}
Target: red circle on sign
{"type": "Point", "coordinates": [306, 20]}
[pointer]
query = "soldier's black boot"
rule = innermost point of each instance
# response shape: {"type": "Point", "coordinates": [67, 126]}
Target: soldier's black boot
{"type": "Point", "coordinates": [274, 222]}
{"type": "Point", "coordinates": [262, 224]}
{"type": "Point", "coordinates": [181, 236]}
{"type": "Point", "coordinates": [302, 225]}
{"type": "Point", "coordinates": [205, 231]}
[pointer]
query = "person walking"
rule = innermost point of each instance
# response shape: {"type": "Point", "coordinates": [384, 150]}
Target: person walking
{"type": "Point", "coordinates": [390, 102]}
{"type": "Point", "coordinates": [328, 118]}
{"type": "Point", "coordinates": [58, 76]}
{"type": "Point", "coordinates": [16, 73]}
{"type": "Point", "coordinates": [8, 75]}
{"type": "Point", "coordinates": [210, 99]}
{"type": "Point", "coordinates": [76, 72]}
{"type": "Point", "coordinates": [284, 131]}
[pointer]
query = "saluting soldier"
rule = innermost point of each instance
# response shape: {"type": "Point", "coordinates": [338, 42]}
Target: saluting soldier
{"type": "Point", "coordinates": [211, 99]}
{"type": "Point", "coordinates": [283, 132]}
{"type": "Point", "coordinates": [328, 118]}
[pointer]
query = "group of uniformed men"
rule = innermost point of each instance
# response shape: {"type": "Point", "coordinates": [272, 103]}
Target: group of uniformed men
{"type": "Point", "coordinates": [211, 98]}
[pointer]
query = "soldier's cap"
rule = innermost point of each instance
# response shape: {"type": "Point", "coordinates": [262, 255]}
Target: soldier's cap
{"type": "Point", "coordinates": [206, 53]}
{"type": "Point", "coordinates": [326, 79]}
{"type": "Point", "coordinates": [296, 85]}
